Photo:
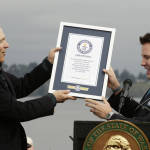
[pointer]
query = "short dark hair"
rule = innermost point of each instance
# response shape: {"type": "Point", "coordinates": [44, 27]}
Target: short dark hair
{"type": "Point", "coordinates": [145, 39]}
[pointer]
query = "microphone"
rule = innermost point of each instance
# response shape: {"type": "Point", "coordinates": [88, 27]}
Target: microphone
{"type": "Point", "coordinates": [125, 91]}
{"type": "Point", "coordinates": [126, 86]}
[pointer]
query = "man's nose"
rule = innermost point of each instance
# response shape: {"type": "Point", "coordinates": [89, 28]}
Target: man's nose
{"type": "Point", "coordinates": [6, 45]}
{"type": "Point", "coordinates": [143, 62]}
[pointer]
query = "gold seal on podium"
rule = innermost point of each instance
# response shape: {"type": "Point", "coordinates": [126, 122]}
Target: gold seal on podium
{"type": "Point", "coordinates": [116, 135]}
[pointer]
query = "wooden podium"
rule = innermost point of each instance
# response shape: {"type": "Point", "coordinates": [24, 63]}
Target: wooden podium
{"type": "Point", "coordinates": [82, 128]}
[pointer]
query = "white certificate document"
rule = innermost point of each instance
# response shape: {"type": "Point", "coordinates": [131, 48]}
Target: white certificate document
{"type": "Point", "coordinates": [82, 59]}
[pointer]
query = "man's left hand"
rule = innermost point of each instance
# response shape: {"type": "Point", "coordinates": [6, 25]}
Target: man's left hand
{"type": "Point", "coordinates": [100, 109]}
{"type": "Point", "coordinates": [52, 52]}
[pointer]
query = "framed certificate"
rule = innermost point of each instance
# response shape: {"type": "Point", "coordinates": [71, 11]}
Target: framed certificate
{"type": "Point", "coordinates": [86, 51]}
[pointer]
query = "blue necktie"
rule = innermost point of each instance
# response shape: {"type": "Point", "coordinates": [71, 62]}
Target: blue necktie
{"type": "Point", "coordinates": [147, 95]}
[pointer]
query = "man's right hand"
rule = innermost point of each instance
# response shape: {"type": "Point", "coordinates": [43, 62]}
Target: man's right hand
{"type": "Point", "coordinates": [113, 83]}
{"type": "Point", "coordinates": [62, 95]}
{"type": "Point", "coordinates": [100, 109]}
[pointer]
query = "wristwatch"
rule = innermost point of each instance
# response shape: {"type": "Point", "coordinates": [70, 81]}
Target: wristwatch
{"type": "Point", "coordinates": [109, 115]}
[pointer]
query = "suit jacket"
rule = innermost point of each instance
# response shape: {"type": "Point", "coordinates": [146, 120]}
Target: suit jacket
{"type": "Point", "coordinates": [12, 112]}
{"type": "Point", "coordinates": [129, 111]}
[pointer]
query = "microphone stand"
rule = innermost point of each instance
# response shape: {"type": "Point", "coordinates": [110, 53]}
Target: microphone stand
{"type": "Point", "coordinates": [122, 100]}
{"type": "Point", "coordinates": [124, 93]}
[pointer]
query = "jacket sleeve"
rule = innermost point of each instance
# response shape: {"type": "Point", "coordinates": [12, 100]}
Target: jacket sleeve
{"type": "Point", "coordinates": [11, 109]}
{"type": "Point", "coordinates": [128, 110]}
{"type": "Point", "coordinates": [145, 118]}
{"type": "Point", "coordinates": [31, 81]}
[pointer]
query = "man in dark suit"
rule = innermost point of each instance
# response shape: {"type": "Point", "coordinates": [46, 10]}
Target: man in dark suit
{"type": "Point", "coordinates": [131, 110]}
{"type": "Point", "coordinates": [12, 112]}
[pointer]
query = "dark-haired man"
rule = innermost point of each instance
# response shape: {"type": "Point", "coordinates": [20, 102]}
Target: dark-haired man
{"type": "Point", "coordinates": [12, 112]}
{"type": "Point", "coordinates": [131, 111]}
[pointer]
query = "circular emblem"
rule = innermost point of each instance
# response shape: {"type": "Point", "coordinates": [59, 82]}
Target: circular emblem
{"type": "Point", "coordinates": [84, 46]}
{"type": "Point", "coordinates": [77, 87]}
{"type": "Point", "coordinates": [116, 135]}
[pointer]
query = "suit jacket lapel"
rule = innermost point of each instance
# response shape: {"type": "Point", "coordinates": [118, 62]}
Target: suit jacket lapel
{"type": "Point", "coordinates": [9, 84]}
